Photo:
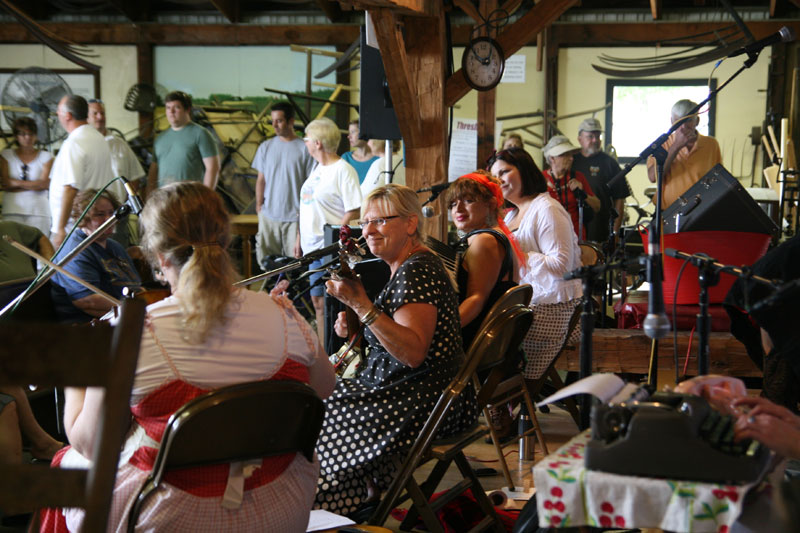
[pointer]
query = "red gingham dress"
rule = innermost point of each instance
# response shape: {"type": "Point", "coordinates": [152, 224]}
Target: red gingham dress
{"type": "Point", "coordinates": [278, 494]}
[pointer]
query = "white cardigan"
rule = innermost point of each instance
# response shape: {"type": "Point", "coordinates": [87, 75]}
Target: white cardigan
{"type": "Point", "coordinates": [546, 235]}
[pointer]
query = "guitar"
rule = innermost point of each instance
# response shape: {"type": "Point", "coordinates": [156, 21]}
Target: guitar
{"type": "Point", "coordinates": [349, 356]}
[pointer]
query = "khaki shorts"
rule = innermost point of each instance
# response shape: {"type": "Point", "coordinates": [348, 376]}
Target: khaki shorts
{"type": "Point", "coordinates": [274, 238]}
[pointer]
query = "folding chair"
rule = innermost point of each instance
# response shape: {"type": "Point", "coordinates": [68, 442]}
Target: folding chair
{"type": "Point", "coordinates": [505, 380]}
{"type": "Point", "coordinates": [504, 330]}
{"type": "Point", "coordinates": [236, 423]}
{"type": "Point", "coordinates": [77, 356]}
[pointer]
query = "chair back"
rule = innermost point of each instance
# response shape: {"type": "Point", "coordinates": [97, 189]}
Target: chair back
{"type": "Point", "coordinates": [518, 295]}
{"type": "Point", "coordinates": [241, 422]}
{"type": "Point", "coordinates": [502, 331]}
{"type": "Point", "coordinates": [76, 356]}
{"type": "Point", "coordinates": [237, 423]}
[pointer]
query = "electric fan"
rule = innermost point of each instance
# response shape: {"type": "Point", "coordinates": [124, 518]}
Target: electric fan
{"type": "Point", "coordinates": [35, 92]}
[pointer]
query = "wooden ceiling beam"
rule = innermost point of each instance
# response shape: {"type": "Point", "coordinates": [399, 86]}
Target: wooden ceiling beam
{"type": "Point", "coordinates": [331, 9]}
{"type": "Point", "coordinates": [228, 8]}
{"type": "Point", "coordinates": [631, 34]}
{"type": "Point", "coordinates": [655, 9]}
{"type": "Point", "coordinates": [188, 34]}
{"type": "Point", "coordinates": [335, 34]}
{"type": "Point", "coordinates": [596, 35]}
{"type": "Point", "coordinates": [388, 31]}
{"type": "Point", "coordinates": [514, 37]}
{"type": "Point", "coordinates": [135, 10]}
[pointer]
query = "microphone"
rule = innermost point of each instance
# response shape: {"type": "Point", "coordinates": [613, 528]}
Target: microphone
{"type": "Point", "coordinates": [784, 35]}
{"type": "Point", "coordinates": [134, 201]}
{"type": "Point", "coordinates": [427, 211]}
{"type": "Point", "coordinates": [322, 252]}
{"type": "Point", "coordinates": [435, 189]}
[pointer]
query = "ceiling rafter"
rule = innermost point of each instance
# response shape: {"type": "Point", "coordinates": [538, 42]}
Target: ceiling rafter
{"type": "Point", "coordinates": [230, 9]}
{"type": "Point", "coordinates": [135, 10]}
{"type": "Point", "coordinates": [511, 39]}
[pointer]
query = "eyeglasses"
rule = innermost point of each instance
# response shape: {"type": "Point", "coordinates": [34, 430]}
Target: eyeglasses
{"type": "Point", "coordinates": [380, 221]}
{"type": "Point", "coordinates": [24, 175]}
{"type": "Point", "coordinates": [94, 101]}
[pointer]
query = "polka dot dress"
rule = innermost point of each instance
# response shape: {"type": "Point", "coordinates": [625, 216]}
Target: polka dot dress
{"type": "Point", "coordinates": [373, 419]}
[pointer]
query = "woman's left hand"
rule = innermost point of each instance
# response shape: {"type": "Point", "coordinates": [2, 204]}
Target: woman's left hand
{"type": "Point", "coordinates": [574, 184]}
{"type": "Point", "coordinates": [351, 293]}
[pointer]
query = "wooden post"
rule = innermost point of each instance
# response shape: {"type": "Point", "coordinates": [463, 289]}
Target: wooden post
{"type": "Point", "coordinates": [486, 102]}
{"type": "Point", "coordinates": [144, 70]}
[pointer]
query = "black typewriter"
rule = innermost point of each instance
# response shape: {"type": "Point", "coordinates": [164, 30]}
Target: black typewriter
{"type": "Point", "coordinates": [674, 436]}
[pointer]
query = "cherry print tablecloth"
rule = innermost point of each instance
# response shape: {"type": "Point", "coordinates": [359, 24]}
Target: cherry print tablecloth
{"type": "Point", "coordinates": [569, 495]}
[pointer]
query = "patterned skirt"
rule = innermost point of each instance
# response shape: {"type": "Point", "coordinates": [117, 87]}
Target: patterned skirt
{"type": "Point", "coordinates": [546, 336]}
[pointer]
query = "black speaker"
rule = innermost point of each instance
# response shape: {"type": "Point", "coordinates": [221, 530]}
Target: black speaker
{"type": "Point", "coordinates": [717, 202]}
{"type": "Point", "coordinates": [376, 116]}
{"type": "Point", "coordinates": [374, 274]}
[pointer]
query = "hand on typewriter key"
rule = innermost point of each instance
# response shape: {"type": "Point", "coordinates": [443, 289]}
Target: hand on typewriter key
{"type": "Point", "coordinates": [720, 391]}
{"type": "Point", "coordinates": [773, 425]}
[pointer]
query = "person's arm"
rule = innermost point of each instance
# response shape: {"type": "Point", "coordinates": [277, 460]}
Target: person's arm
{"type": "Point", "coordinates": [94, 305]}
{"type": "Point", "coordinates": [406, 336]}
{"type": "Point", "coordinates": [350, 215]}
{"type": "Point", "coordinates": [483, 261]}
{"type": "Point", "coordinates": [212, 171]}
{"type": "Point", "coordinates": [298, 249]}
{"type": "Point", "coordinates": [63, 217]}
{"type": "Point", "coordinates": [579, 182]}
{"type": "Point", "coordinates": [152, 179]}
{"type": "Point", "coordinates": [321, 376]}
{"type": "Point", "coordinates": [82, 408]}
{"type": "Point", "coordinates": [619, 206]}
{"type": "Point", "coordinates": [45, 247]}
{"type": "Point", "coordinates": [261, 184]}
{"type": "Point", "coordinates": [772, 425]}
{"type": "Point", "coordinates": [554, 235]}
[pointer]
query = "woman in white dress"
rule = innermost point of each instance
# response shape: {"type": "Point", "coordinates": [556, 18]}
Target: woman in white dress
{"type": "Point", "coordinates": [25, 177]}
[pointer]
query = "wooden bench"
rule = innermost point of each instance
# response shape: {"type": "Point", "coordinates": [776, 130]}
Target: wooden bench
{"type": "Point", "coordinates": [628, 351]}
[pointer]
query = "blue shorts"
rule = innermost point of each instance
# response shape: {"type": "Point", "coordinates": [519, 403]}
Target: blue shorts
{"type": "Point", "coordinates": [319, 290]}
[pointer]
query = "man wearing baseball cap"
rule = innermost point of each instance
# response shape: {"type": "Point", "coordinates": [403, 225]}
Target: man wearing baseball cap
{"type": "Point", "coordinates": [566, 184]}
{"type": "Point", "coordinates": [599, 168]}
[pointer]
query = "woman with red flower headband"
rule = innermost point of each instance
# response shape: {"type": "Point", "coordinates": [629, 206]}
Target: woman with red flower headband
{"type": "Point", "coordinates": [488, 267]}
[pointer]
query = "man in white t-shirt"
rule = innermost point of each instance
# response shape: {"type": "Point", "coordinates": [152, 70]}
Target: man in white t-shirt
{"type": "Point", "coordinates": [283, 164]}
{"type": "Point", "coordinates": [83, 162]}
{"type": "Point", "coordinates": [123, 163]}
{"type": "Point", "coordinates": [330, 195]}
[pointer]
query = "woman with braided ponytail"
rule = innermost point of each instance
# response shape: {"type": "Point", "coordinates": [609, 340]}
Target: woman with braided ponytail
{"type": "Point", "coordinates": [206, 335]}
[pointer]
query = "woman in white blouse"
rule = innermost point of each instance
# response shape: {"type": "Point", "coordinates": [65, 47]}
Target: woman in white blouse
{"type": "Point", "coordinates": [25, 178]}
{"type": "Point", "coordinates": [544, 232]}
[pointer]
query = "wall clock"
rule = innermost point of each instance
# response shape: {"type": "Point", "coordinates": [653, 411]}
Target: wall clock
{"type": "Point", "coordinates": [483, 63]}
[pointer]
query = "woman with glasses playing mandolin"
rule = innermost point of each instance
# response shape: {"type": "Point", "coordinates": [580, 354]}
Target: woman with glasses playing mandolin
{"type": "Point", "coordinates": [25, 178]}
{"type": "Point", "coordinates": [414, 338]}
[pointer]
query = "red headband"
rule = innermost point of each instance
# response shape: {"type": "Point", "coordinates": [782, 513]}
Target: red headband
{"type": "Point", "coordinates": [494, 188]}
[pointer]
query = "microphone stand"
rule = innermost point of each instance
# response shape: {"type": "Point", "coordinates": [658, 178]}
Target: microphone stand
{"type": "Point", "coordinates": [588, 275]}
{"type": "Point", "coordinates": [610, 251]}
{"type": "Point", "coordinates": [122, 212]}
{"type": "Point", "coordinates": [656, 324]}
{"type": "Point", "coordinates": [708, 270]}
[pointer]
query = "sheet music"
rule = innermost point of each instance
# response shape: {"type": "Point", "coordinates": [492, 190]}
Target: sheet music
{"type": "Point", "coordinates": [321, 520]}
{"type": "Point", "coordinates": [609, 388]}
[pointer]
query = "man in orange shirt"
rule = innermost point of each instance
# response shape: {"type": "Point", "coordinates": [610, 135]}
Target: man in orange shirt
{"type": "Point", "coordinates": [689, 155]}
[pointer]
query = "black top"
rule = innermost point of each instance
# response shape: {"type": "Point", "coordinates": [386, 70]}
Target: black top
{"type": "Point", "coordinates": [469, 331]}
{"type": "Point", "coordinates": [599, 169]}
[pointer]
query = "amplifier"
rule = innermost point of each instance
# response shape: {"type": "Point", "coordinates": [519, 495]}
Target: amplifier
{"type": "Point", "coordinates": [718, 202]}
